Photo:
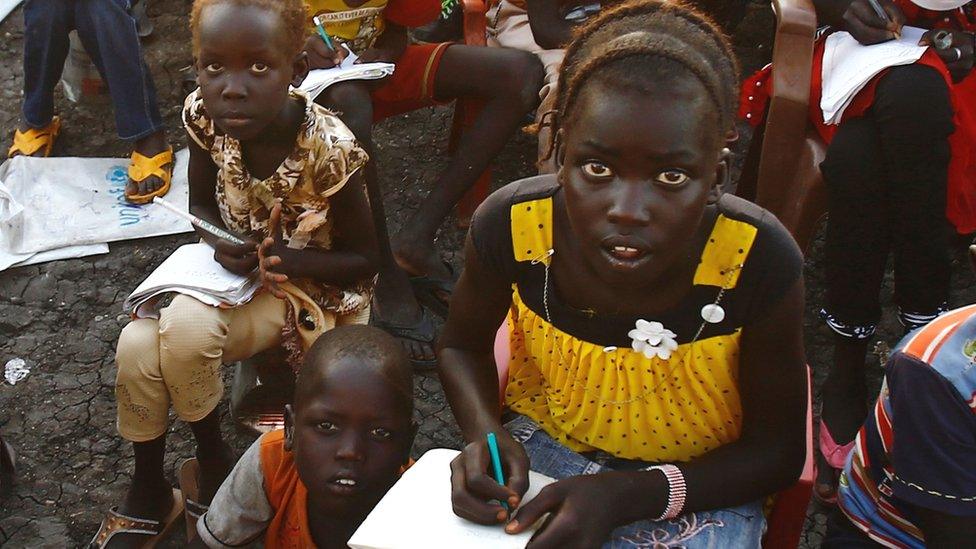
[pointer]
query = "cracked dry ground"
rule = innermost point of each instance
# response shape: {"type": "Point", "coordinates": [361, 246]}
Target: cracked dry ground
{"type": "Point", "coordinates": [63, 318]}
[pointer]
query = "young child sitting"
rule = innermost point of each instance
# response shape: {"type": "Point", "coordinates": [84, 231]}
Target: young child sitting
{"type": "Point", "coordinates": [655, 329]}
{"type": "Point", "coordinates": [265, 163]}
{"type": "Point", "coordinates": [108, 31]}
{"type": "Point", "coordinates": [347, 438]}
{"type": "Point", "coordinates": [426, 74]}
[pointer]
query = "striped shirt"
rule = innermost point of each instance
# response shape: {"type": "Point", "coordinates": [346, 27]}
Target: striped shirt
{"type": "Point", "coordinates": [918, 445]}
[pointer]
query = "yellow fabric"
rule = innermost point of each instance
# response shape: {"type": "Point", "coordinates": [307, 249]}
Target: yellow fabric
{"type": "Point", "coordinates": [726, 247]}
{"type": "Point", "coordinates": [358, 27]}
{"type": "Point", "coordinates": [532, 229]}
{"type": "Point", "coordinates": [619, 401]}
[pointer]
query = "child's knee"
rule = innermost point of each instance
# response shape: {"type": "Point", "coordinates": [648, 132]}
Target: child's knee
{"type": "Point", "coordinates": [191, 331]}
{"type": "Point", "coordinates": [351, 101]}
{"type": "Point", "coordinates": [527, 76]}
{"type": "Point", "coordinates": [137, 354]}
{"type": "Point", "coordinates": [918, 92]}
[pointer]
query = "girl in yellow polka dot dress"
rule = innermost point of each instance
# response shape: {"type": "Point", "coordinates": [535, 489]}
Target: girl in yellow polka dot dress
{"type": "Point", "coordinates": [656, 359]}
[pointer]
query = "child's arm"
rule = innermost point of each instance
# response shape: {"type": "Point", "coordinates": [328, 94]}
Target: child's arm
{"type": "Point", "coordinates": [478, 307]}
{"type": "Point", "coordinates": [549, 28]}
{"type": "Point", "coordinates": [354, 256]}
{"type": "Point", "coordinates": [388, 47]}
{"type": "Point", "coordinates": [202, 173]}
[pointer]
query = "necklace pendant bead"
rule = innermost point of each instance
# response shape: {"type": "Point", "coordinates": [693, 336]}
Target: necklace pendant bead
{"type": "Point", "coordinates": [713, 313]}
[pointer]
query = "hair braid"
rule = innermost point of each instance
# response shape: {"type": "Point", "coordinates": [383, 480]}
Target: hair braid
{"type": "Point", "coordinates": [650, 37]}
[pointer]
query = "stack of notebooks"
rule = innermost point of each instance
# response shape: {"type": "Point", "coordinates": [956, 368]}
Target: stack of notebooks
{"type": "Point", "coordinates": [319, 79]}
{"type": "Point", "coordinates": [191, 270]}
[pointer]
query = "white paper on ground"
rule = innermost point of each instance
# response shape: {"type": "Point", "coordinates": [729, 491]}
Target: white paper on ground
{"type": "Point", "coordinates": [53, 203]}
{"type": "Point", "coordinates": [417, 514]}
{"type": "Point", "coordinates": [848, 66]}
{"type": "Point", "coordinates": [7, 6]}
{"type": "Point", "coordinates": [10, 260]}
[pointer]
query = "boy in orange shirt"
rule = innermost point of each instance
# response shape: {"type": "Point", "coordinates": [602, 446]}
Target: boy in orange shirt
{"type": "Point", "coordinates": [345, 443]}
{"type": "Point", "coordinates": [507, 81]}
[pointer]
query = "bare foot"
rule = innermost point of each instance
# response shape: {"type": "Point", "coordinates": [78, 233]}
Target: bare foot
{"type": "Point", "coordinates": [149, 147]}
{"type": "Point", "coordinates": [417, 256]}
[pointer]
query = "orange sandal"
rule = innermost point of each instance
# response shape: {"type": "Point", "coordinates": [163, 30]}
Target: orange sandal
{"type": "Point", "coordinates": [34, 139]}
{"type": "Point", "coordinates": [143, 167]}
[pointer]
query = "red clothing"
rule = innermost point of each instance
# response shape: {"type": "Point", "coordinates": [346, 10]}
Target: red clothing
{"type": "Point", "coordinates": [286, 494]}
{"type": "Point", "coordinates": [961, 186]}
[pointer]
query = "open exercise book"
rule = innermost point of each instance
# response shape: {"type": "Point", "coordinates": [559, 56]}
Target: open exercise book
{"type": "Point", "coordinates": [848, 66]}
{"type": "Point", "coordinates": [191, 270]}
{"type": "Point", "coordinates": [416, 513]}
{"type": "Point", "coordinates": [319, 79]}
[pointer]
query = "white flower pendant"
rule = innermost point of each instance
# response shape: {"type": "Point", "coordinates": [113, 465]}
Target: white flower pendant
{"type": "Point", "coordinates": [653, 339]}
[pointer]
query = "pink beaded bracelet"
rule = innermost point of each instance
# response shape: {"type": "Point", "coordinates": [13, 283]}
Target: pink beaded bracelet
{"type": "Point", "coordinates": [677, 491]}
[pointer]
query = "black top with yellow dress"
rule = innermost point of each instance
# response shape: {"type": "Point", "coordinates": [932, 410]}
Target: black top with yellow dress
{"type": "Point", "coordinates": [577, 374]}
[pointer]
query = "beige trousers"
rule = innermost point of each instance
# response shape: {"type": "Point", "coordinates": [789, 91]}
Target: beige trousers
{"type": "Point", "coordinates": [508, 27]}
{"type": "Point", "coordinates": [177, 359]}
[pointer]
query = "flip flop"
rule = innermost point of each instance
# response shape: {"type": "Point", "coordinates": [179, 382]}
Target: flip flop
{"type": "Point", "coordinates": [189, 480]}
{"type": "Point", "coordinates": [431, 291]}
{"type": "Point", "coordinates": [34, 139]}
{"type": "Point", "coordinates": [835, 457]}
{"type": "Point", "coordinates": [144, 167]}
{"type": "Point", "coordinates": [117, 523]}
{"type": "Point", "coordinates": [422, 331]}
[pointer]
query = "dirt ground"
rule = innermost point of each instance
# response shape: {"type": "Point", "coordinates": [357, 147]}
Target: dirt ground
{"type": "Point", "coordinates": [64, 318]}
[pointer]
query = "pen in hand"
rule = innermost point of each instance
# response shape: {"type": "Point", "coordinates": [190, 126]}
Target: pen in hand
{"type": "Point", "coordinates": [496, 462]}
{"type": "Point", "coordinates": [321, 30]}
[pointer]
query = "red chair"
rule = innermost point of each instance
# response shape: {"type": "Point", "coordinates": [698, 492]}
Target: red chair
{"type": "Point", "coordinates": [785, 521]}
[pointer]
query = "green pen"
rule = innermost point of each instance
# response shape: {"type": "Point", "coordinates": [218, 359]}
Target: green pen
{"type": "Point", "coordinates": [322, 33]}
{"type": "Point", "coordinates": [496, 462]}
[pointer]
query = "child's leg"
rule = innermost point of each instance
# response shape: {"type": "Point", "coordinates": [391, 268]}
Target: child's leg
{"type": "Point", "coordinates": [855, 253]}
{"type": "Point", "coordinates": [108, 32]}
{"type": "Point", "coordinates": [393, 298]}
{"type": "Point", "coordinates": [143, 404]}
{"type": "Point", "coordinates": [914, 118]}
{"type": "Point", "coordinates": [508, 81]}
{"type": "Point", "coordinates": [46, 27]}
{"type": "Point", "coordinates": [195, 340]}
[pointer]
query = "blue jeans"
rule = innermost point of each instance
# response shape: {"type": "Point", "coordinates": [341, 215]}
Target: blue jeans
{"type": "Point", "coordinates": [739, 527]}
{"type": "Point", "coordinates": [108, 32]}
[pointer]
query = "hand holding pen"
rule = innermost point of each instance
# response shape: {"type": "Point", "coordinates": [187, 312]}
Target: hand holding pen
{"type": "Point", "coordinates": [322, 50]}
{"type": "Point", "coordinates": [873, 21]}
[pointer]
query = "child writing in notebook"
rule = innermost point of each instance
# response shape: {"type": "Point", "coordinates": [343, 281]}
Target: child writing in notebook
{"type": "Point", "coordinates": [283, 173]}
{"type": "Point", "coordinates": [654, 329]}
{"type": "Point", "coordinates": [347, 437]}
{"type": "Point", "coordinates": [410, 270]}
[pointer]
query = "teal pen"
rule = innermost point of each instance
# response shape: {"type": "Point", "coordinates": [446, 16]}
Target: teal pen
{"type": "Point", "coordinates": [496, 462]}
{"type": "Point", "coordinates": [322, 33]}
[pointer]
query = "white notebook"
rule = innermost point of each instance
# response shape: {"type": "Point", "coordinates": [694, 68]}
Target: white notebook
{"type": "Point", "coordinates": [191, 270]}
{"type": "Point", "coordinates": [319, 79]}
{"type": "Point", "coordinates": [848, 66]}
{"type": "Point", "coordinates": [416, 513]}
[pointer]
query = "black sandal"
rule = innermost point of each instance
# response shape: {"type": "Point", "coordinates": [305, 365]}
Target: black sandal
{"type": "Point", "coordinates": [435, 293]}
{"type": "Point", "coordinates": [423, 331]}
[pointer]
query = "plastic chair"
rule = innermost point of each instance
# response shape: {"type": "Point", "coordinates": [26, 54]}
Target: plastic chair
{"type": "Point", "coordinates": [784, 525]}
{"type": "Point", "coordinates": [787, 180]}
